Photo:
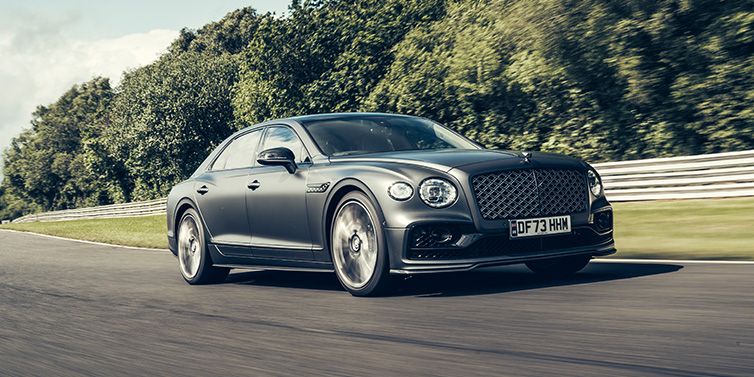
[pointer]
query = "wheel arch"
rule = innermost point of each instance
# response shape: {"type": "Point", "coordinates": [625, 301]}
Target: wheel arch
{"type": "Point", "coordinates": [180, 208]}
{"type": "Point", "coordinates": [340, 190]}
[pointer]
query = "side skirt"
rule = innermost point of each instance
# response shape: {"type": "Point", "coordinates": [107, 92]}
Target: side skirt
{"type": "Point", "coordinates": [275, 268]}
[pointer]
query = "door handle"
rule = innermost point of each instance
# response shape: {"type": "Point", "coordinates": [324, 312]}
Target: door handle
{"type": "Point", "coordinates": [203, 190]}
{"type": "Point", "coordinates": [254, 185]}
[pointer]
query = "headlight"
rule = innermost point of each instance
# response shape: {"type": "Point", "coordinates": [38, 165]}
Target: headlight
{"type": "Point", "coordinates": [595, 186]}
{"type": "Point", "coordinates": [400, 191]}
{"type": "Point", "coordinates": [437, 193]}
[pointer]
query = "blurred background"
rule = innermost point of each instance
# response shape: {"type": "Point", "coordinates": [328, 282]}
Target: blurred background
{"type": "Point", "coordinates": [597, 79]}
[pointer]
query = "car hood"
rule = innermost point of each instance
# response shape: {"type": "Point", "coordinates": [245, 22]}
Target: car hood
{"type": "Point", "coordinates": [464, 159]}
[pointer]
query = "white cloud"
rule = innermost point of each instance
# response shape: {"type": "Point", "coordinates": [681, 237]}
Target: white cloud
{"type": "Point", "coordinates": [38, 63]}
{"type": "Point", "coordinates": [110, 57]}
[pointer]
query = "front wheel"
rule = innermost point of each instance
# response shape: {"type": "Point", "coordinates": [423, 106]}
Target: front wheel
{"type": "Point", "coordinates": [358, 246]}
{"type": "Point", "coordinates": [559, 267]}
{"type": "Point", "coordinates": [193, 256]}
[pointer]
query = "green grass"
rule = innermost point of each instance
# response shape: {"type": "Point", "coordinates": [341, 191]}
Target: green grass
{"type": "Point", "coordinates": [681, 229]}
{"type": "Point", "coordinates": [144, 231]}
{"type": "Point", "coordinates": [686, 229]}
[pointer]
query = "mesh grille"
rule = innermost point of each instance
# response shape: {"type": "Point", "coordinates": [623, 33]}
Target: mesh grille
{"type": "Point", "coordinates": [422, 237]}
{"type": "Point", "coordinates": [501, 245]}
{"type": "Point", "coordinates": [530, 193]}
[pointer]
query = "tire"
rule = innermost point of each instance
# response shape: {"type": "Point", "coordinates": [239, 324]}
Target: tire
{"type": "Point", "coordinates": [193, 257]}
{"type": "Point", "coordinates": [358, 249]}
{"type": "Point", "coordinates": [559, 267]}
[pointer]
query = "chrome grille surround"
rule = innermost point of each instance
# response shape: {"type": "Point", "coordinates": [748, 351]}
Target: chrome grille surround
{"type": "Point", "coordinates": [524, 193]}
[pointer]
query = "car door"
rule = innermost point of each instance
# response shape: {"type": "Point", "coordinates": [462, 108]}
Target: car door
{"type": "Point", "coordinates": [276, 202]}
{"type": "Point", "coordinates": [221, 195]}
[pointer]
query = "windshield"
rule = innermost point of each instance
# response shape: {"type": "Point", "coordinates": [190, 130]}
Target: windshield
{"type": "Point", "coordinates": [371, 134]}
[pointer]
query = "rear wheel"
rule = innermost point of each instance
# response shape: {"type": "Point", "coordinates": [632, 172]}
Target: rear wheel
{"type": "Point", "coordinates": [558, 267]}
{"type": "Point", "coordinates": [193, 256]}
{"type": "Point", "coordinates": [358, 246]}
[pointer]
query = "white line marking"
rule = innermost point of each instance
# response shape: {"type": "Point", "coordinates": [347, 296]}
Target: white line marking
{"type": "Point", "coordinates": [83, 241]}
{"type": "Point", "coordinates": [616, 260]}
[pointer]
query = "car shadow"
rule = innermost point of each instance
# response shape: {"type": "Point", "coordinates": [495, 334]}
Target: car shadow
{"type": "Point", "coordinates": [519, 278]}
{"type": "Point", "coordinates": [322, 281]}
{"type": "Point", "coordinates": [477, 282]}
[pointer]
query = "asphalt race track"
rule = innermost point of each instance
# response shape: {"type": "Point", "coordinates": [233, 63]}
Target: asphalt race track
{"type": "Point", "coordinates": [70, 308]}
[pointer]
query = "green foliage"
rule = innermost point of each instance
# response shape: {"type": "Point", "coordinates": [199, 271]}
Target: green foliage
{"type": "Point", "coordinates": [230, 35]}
{"type": "Point", "coordinates": [484, 71]}
{"type": "Point", "coordinates": [600, 80]}
{"type": "Point", "coordinates": [326, 57]}
{"type": "Point", "coordinates": [45, 167]}
{"type": "Point", "coordinates": [168, 116]}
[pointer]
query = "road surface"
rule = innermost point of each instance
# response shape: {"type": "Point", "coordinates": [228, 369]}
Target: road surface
{"type": "Point", "coordinates": [69, 308]}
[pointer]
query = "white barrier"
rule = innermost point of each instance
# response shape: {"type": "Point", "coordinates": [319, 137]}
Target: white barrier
{"type": "Point", "coordinates": [717, 175]}
{"type": "Point", "coordinates": [151, 207]}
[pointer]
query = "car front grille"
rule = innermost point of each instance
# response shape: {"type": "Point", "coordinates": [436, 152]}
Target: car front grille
{"type": "Point", "coordinates": [515, 194]}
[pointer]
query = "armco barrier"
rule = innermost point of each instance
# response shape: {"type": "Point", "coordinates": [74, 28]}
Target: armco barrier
{"type": "Point", "coordinates": [693, 177]}
{"type": "Point", "coordinates": [716, 175]}
{"type": "Point", "coordinates": [151, 207]}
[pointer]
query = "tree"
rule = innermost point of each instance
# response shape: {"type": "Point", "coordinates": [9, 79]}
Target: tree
{"type": "Point", "coordinates": [45, 164]}
{"type": "Point", "coordinates": [485, 70]}
{"type": "Point", "coordinates": [326, 57]}
{"type": "Point", "coordinates": [598, 80]}
{"type": "Point", "coordinates": [601, 80]}
{"type": "Point", "coordinates": [168, 116]}
{"type": "Point", "coordinates": [230, 35]}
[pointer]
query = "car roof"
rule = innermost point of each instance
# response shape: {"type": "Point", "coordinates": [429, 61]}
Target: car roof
{"type": "Point", "coordinates": [305, 118]}
{"type": "Point", "coordinates": [315, 117]}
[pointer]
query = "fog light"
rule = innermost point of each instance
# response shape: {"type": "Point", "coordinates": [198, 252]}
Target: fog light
{"type": "Point", "coordinates": [441, 235]}
{"type": "Point", "coordinates": [603, 220]}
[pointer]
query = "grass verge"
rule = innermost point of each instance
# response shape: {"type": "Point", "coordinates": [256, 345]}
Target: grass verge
{"type": "Point", "coordinates": [721, 229]}
{"type": "Point", "coordinates": [143, 231]}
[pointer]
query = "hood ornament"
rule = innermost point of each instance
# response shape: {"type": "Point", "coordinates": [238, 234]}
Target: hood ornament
{"type": "Point", "coordinates": [526, 156]}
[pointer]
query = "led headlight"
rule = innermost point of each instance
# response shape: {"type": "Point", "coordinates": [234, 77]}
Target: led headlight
{"type": "Point", "coordinates": [595, 186]}
{"type": "Point", "coordinates": [400, 191]}
{"type": "Point", "coordinates": [437, 193]}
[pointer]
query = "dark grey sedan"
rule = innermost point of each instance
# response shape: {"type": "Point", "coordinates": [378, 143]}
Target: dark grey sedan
{"type": "Point", "coordinates": [372, 196]}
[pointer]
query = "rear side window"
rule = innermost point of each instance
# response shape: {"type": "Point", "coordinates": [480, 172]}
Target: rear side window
{"type": "Point", "coordinates": [240, 153]}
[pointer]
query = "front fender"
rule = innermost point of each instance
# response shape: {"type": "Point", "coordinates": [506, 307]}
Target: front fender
{"type": "Point", "coordinates": [374, 181]}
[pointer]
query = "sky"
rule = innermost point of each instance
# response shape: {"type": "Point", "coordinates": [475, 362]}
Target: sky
{"type": "Point", "coordinates": [47, 46]}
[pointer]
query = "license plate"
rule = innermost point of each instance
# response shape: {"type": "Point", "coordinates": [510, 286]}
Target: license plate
{"type": "Point", "coordinates": [540, 226]}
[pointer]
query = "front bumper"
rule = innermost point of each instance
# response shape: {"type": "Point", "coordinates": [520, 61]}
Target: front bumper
{"type": "Point", "coordinates": [469, 251]}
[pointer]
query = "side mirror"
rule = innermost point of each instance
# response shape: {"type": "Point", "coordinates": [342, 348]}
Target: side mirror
{"type": "Point", "coordinates": [278, 157]}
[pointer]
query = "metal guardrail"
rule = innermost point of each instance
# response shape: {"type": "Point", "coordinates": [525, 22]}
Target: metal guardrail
{"type": "Point", "coordinates": [151, 207]}
{"type": "Point", "coordinates": [717, 175]}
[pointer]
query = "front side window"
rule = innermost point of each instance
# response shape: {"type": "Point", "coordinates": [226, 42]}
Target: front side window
{"type": "Point", "coordinates": [285, 137]}
{"type": "Point", "coordinates": [240, 153]}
